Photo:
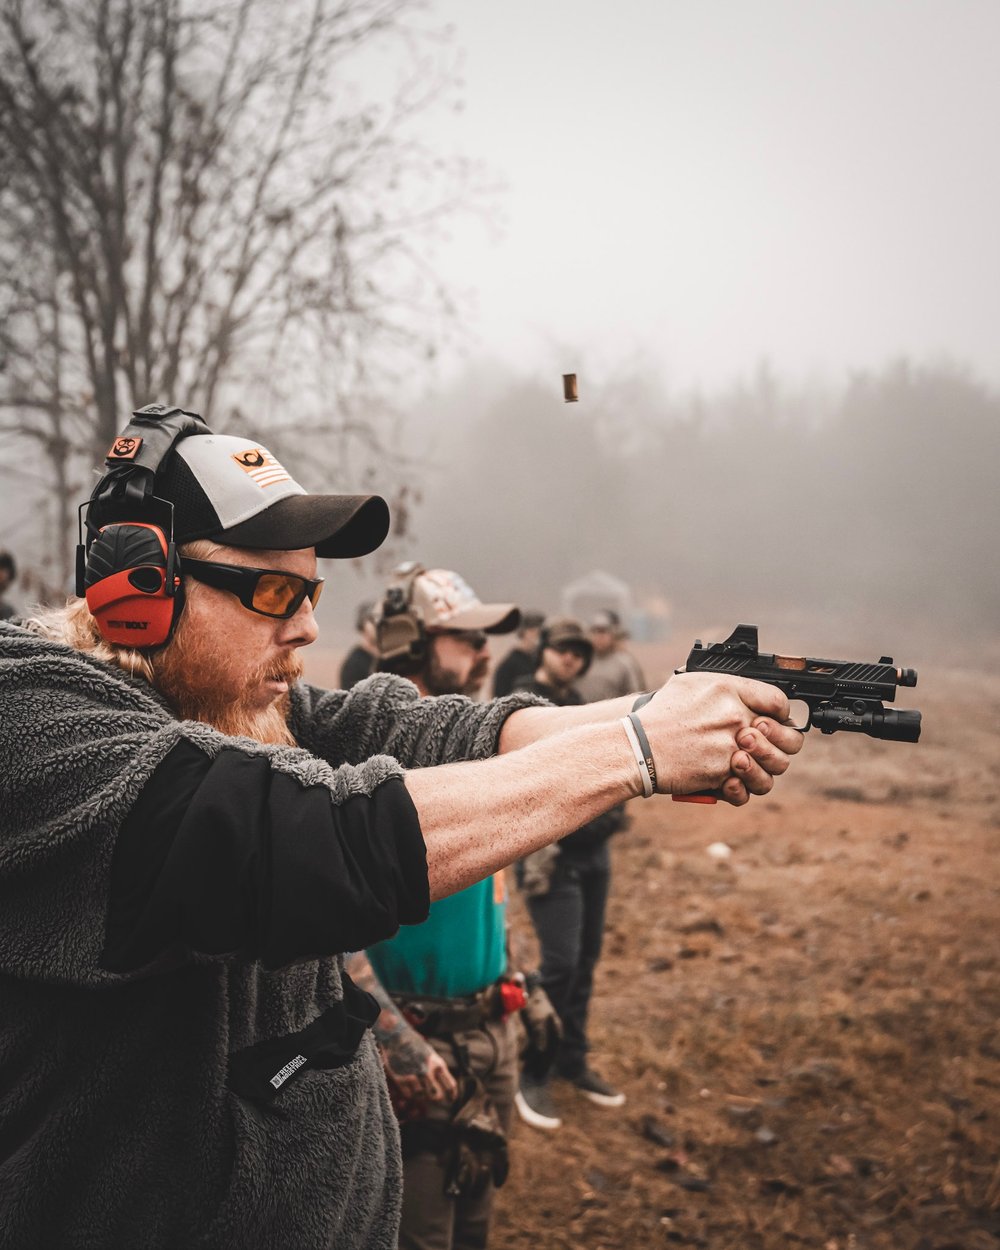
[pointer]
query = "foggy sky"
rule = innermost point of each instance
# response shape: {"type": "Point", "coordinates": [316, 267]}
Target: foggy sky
{"type": "Point", "coordinates": [692, 187]}
{"type": "Point", "coordinates": [710, 184]}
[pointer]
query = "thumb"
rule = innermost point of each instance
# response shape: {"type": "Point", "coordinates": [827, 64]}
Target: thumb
{"type": "Point", "coordinates": [763, 698]}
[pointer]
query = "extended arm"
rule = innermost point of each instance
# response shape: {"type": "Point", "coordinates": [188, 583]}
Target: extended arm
{"type": "Point", "coordinates": [223, 850]}
{"type": "Point", "coordinates": [531, 724]}
{"type": "Point", "coordinates": [706, 733]}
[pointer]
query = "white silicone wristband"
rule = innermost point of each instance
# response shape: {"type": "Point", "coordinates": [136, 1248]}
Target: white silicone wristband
{"type": "Point", "coordinates": [640, 759]}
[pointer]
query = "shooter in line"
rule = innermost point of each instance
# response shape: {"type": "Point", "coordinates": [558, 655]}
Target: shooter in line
{"type": "Point", "coordinates": [192, 835]}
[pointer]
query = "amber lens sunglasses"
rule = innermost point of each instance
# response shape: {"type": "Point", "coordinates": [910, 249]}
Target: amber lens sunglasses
{"type": "Point", "coordinates": [267, 591]}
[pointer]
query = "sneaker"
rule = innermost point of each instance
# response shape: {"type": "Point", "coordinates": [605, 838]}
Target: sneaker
{"type": "Point", "coordinates": [597, 1089]}
{"type": "Point", "coordinates": [535, 1106]}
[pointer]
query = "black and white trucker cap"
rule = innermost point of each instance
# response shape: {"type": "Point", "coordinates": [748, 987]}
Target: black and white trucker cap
{"type": "Point", "coordinates": [233, 490]}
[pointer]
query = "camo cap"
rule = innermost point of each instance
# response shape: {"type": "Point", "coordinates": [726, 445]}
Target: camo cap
{"type": "Point", "coordinates": [446, 601]}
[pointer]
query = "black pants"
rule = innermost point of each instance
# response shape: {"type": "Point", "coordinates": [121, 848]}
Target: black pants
{"type": "Point", "coordinates": [569, 921]}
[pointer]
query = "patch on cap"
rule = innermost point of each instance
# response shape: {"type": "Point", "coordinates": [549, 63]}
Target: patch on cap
{"type": "Point", "coordinates": [445, 595]}
{"type": "Point", "coordinates": [259, 464]}
{"type": "Point", "coordinates": [226, 487]}
{"type": "Point", "coordinates": [445, 600]}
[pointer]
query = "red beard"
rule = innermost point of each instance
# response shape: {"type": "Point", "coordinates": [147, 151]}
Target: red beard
{"type": "Point", "coordinates": [188, 672]}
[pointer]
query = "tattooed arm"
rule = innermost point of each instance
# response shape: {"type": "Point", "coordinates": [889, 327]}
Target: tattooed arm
{"type": "Point", "coordinates": [411, 1064]}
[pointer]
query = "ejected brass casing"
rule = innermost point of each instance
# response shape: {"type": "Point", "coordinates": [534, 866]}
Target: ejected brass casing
{"type": "Point", "coordinates": [569, 388]}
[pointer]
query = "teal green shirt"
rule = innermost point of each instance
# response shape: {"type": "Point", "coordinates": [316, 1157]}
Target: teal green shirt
{"type": "Point", "coordinates": [459, 949]}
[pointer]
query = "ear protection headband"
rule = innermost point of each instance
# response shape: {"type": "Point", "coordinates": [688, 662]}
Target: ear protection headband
{"type": "Point", "coordinates": [399, 630]}
{"type": "Point", "coordinates": [127, 567]}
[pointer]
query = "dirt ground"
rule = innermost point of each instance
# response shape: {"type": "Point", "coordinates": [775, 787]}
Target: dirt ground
{"type": "Point", "coordinates": [808, 1030]}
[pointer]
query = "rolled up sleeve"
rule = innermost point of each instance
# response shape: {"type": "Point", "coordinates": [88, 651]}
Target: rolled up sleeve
{"type": "Point", "coordinates": [228, 855]}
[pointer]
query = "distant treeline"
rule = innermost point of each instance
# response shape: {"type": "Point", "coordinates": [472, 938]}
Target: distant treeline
{"type": "Point", "coordinates": [881, 499]}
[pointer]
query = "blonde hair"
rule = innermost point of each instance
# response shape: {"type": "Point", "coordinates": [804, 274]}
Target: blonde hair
{"type": "Point", "coordinates": [183, 670]}
{"type": "Point", "coordinates": [74, 626]}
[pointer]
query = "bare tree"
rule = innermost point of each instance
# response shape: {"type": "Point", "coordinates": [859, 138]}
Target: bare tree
{"type": "Point", "coordinates": [201, 202]}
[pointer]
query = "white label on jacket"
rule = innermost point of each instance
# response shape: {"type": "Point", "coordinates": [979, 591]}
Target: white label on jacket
{"type": "Point", "coordinates": [291, 1066]}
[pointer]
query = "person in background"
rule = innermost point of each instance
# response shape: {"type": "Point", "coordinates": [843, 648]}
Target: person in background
{"type": "Point", "coordinates": [566, 889]}
{"type": "Point", "coordinates": [447, 1027]}
{"type": "Point", "coordinates": [8, 575]}
{"type": "Point", "coordinates": [359, 662]}
{"type": "Point", "coordinates": [613, 670]}
{"type": "Point", "coordinates": [521, 659]}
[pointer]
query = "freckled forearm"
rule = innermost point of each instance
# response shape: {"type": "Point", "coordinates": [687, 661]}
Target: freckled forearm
{"type": "Point", "coordinates": [479, 817]}
{"type": "Point", "coordinates": [533, 724]}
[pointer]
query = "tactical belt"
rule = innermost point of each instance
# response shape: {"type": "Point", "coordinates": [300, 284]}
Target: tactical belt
{"type": "Point", "coordinates": [436, 1016]}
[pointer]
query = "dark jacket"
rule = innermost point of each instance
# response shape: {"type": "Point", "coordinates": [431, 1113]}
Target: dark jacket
{"type": "Point", "coordinates": [358, 664]}
{"type": "Point", "coordinates": [182, 1060]}
{"type": "Point", "coordinates": [515, 665]}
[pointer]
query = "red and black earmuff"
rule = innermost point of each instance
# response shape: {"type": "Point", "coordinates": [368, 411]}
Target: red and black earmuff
{"type": "Point", "coordinates": [127, 568]}
{"type": "Point", "coordinates": [131, 583]}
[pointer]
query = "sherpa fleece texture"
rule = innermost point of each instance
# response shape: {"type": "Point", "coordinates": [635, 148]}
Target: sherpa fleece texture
{"type": "Point", "coordinates": [117, 1128]}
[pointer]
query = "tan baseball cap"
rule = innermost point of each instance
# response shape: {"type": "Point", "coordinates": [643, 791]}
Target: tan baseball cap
{"type": "Point", "coordinates": [444, 600]}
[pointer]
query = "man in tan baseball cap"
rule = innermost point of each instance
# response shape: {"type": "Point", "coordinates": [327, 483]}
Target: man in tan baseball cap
{"type": "Point", "coordinates": [433, 628]}
{"type": "Point", "coordinates": [447, 994]}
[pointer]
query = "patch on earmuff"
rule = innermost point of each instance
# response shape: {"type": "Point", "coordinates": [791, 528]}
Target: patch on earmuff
{"type": "Point", "coordinates": [125, 448]}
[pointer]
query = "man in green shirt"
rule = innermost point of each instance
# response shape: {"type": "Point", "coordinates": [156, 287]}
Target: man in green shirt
{"type": "Point", "coordinates": [447, 1027]}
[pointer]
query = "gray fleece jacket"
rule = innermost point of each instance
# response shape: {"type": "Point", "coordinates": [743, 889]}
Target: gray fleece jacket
{"type": "Point", "coordinates": [121, 1121]}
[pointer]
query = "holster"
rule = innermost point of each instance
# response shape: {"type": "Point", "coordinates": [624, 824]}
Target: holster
{"type": "Point", "coordinates": [471, 1143]}
{"type": "Point", "coordinates": [480, 1152]}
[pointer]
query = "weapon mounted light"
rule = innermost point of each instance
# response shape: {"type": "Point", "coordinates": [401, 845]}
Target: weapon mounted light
{"type": "Point", "coordinates": [878, 722]}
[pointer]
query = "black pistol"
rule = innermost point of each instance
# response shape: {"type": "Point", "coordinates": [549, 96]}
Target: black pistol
{"type": "Point", "coordinates": [846, 695]}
